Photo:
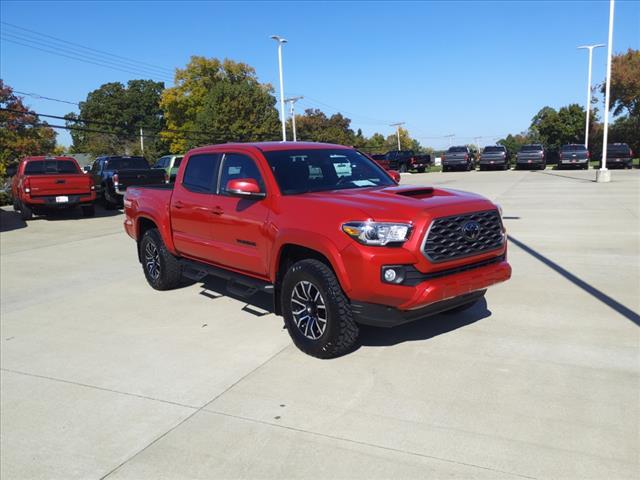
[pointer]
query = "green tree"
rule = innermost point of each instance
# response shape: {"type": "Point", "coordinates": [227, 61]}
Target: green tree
{"type": "Point", "coordinates": [315, 126]}
{"type": "Point", "coordinates": [217, 101]}
{"type": "Point", "coordinates": [21, 134]}
{"type": "Point", "coordinates": [556, 128]}
{"type": "Point", "coordinates": [112, 115]}
{"type": "Point", "coordinates": [513, 143]}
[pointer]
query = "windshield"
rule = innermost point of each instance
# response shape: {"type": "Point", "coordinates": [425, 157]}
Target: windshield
{"type": "Point", "coordinates": [531, 148]}
{"type": "Point", "coordinates": [317, 170]}
{"type": "Point", "coordinates": [573, 148]}
{"type": "Point", "coordinates": [493, 149]}
{"type": "Point", "coordinates": [126, 163]}
{"type": "Point", "coordinates": [50, 167]}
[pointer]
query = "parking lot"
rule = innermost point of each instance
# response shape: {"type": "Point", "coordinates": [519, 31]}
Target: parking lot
{"type": "Point", "coordinates": [104, 377]}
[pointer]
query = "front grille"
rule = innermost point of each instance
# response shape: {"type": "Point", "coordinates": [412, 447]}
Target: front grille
{"type": "Point", "coordinates": [447, 239]}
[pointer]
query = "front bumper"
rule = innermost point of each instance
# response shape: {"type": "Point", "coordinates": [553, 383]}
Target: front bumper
{"type": "Point", "coordinates": [382, 316]}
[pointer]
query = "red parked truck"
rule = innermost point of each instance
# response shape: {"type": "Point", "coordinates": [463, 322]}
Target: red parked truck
{"type": "Point", "coordinates": [43, 183]}
{"type": "Point", "coordinates": [323, 229]}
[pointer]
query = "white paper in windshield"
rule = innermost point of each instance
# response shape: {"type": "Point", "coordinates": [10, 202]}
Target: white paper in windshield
{"type": "Point", "coordinates": [363, 183]}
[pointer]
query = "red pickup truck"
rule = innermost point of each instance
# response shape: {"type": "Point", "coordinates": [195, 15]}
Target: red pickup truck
{"type": "Point", "coordinates": [41, 183]}
{"type": "Point", "coordinates": [324, 230]}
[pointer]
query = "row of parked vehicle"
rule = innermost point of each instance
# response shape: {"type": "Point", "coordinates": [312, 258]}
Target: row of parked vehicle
{"type": "Point", "coordinates": [533, 156]}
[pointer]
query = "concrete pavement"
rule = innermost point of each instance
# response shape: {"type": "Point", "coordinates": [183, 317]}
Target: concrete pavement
{"type": "Point", "coordinates": [104, 377]}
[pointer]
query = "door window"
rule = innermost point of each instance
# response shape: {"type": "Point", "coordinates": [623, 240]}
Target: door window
{"type": "Point", "coordinates": [235, 166]}
{"type": "Point", "coordinates": [201, 173]}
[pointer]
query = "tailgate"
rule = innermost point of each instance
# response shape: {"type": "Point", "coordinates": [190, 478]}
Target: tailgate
{"type": "Point", "coordinates": [46, 185]}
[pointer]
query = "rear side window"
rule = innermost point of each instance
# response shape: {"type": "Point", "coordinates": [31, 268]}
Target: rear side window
{"type": "Point", "coordinates": [237, 166]}
{"type": "Point", "coordinates": [50, 167]}
{"type": "Point", "coordinates": [177, 162]}
{"type": "Point", "coordinates": [201, 173]}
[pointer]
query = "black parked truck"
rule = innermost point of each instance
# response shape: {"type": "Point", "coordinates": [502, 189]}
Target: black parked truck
{"type": "Point", "coordinates": [458, 158]}
{"type": "Point", "coordinates": [532, 157]}
{"type": "Point", "coordinates": [619, 155]}
{"type": "Point", "coordinates": [112, 175]}
{"type": "Point", "coordinates": [573, 155]}
{"type": "Point", "coordinates": [494, 156]}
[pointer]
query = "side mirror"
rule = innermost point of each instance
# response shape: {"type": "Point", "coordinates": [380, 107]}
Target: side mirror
{"type": "Point", "coordinates": [244, 187]}
{"type": "Point", "coordinates": [12, 170]}
{"type": "Point", "coordinates": [395, 175]}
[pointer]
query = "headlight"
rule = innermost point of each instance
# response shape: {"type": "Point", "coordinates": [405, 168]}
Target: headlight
{"type": "Point", "coordinates": [377, 233]}
{"type": "Point", "coordinates": [499, 209]}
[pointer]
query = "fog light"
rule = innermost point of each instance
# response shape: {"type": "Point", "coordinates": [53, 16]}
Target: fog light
{"type": "Point", "coordinates": [390, 275]}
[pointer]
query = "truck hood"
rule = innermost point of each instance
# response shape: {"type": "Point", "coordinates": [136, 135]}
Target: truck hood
{"type": "Point", "coordinates": [399, 203]}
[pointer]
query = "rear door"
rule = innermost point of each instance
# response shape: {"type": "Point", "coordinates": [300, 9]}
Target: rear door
{"type": "Point", "coordinates": [192, 205]}
{"type": "Point", "coordinates": [238, 226]}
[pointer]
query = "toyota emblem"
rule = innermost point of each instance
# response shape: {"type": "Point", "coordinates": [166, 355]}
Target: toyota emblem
{"type": "Point", "coordinates": [471, 231]}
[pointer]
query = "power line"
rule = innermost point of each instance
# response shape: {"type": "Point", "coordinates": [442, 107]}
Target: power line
{"type": "Point", "coordinates": [136, 63]}
{"type": "Point", "coordinates": [41, 97]}
{"type": "Point", "coordinates": [71, 57]}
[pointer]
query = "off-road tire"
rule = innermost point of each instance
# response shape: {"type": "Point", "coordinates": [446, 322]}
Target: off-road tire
{"type": "Point", "coordinates": [108, 203]}
{"type": "Point", "coordinates": [341, 331]}
{"type": "Point", "coordinates": [420, 169]}
{"type": "Point", "coordinates": [25, 212]}
{"type": "Point", "coordinates": [88, 211]}
{"type": "Point", "coordinates": [170, 275]}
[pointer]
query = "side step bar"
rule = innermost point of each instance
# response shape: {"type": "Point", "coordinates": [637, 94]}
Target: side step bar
{"type": "Point", "coordinates": [237, 284]}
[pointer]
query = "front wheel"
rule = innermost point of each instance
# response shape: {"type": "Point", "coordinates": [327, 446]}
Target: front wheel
{"type": "Point", "coordinates": [316, 312]}
{"type": "Point", "coordinates": [161, 269]}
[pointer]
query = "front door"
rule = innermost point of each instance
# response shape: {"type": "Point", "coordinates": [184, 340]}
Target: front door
{"type": "Point", "coordinates": [192, 207]}
{"type": "Point", "coordinates": [239, 225]}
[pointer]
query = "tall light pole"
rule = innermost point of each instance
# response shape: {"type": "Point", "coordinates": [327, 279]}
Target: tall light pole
{"type": "Point", "coordinates": [281, 41]}
{"type": "Point", "coordinates": [397, 125]}
{"type": "Point", "coordinates": [291, 101]}
{"type": "Point", "coordinates": [586, 128]}
{"type": "Point", "coordinates": [604, 175]}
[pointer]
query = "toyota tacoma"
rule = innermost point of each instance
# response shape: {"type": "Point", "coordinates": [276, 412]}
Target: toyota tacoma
{"type": "Point", "coordinates": [325, 231]}
{"type": "Point", "coordinates": [41, 184]}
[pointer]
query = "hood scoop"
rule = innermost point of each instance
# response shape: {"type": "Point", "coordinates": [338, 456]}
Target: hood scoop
{"type": "Point", "coordinates": [417, 192]}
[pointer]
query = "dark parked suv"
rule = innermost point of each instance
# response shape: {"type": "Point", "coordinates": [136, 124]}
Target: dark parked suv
{"type": "Point", "coordinates": [573, 155]}
{"type": "Point", "coordinates": [531, 156]}
{"type": "Point", "coordinates": [619, 155]}
{"type": "Point", "coordinates": [494, 156]}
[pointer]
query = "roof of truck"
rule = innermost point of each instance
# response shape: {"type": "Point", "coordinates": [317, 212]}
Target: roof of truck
{"type": "Point", "coordinates": [275, 146]}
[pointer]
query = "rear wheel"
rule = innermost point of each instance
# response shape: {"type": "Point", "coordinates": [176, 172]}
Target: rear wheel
{"type": "Point", "coordinates": [88, 210]}
{"type": "Point", "coordinates": [444, 169]}
{"type": "Point", "coordinates": [420, 169]}
{"type": "Point", "coordinates": [316, 312]}
{"type": "Point", "coordinates": [161, 269]}
{"type": "Point", "coordinates": [25, 212]}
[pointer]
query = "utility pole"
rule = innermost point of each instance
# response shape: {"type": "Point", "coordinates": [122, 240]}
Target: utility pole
{"type": "Point", "coordinates": [281, 41]}
{"type": "Point", "coordinates": [141, 141]}
{"type": "Point", "coordinates": [477, 140]}
{"type": "Point", "coordinates": [292, 101]}
{"type": "Point", "coordinates": [398, 125]}
{"type": "Point", "coordinates": [603, 175]}
{"type": "Point", "coordinates": [450, 137]}
{"type": "Point", "coordinates": [586, 128]}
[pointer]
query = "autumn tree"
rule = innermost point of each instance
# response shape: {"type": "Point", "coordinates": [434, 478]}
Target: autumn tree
{"type": "Point", "coordinates": [216, 101]}
{"type": "Point", "coordinates": [21, 134]}
{"type": "Point", "coordinates": [625, 83]}
{"type": "Point", "coordinates": [110, 119]}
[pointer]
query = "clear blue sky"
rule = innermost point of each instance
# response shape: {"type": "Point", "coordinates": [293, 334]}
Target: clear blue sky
{"type": "Point", "coordinates": [469, 68]}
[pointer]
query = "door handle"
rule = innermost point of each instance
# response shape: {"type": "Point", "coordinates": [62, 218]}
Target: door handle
{"type": "Point", "coordinates": [217, 210]}
{"type": "Point", "coordinates": [178, 204]}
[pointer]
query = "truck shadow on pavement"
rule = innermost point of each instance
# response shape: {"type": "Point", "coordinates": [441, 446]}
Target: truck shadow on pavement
{"type": "Point", "coordinates": [590, 289]}
{"type": "Point", "coordinates": [555, 174]}
{"type": "Point", "coordinates": [423, 329]}
{"type": "Point", "coordinates": [261, 304]}
{"type": "Point", "coordinates": [10, 220]}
